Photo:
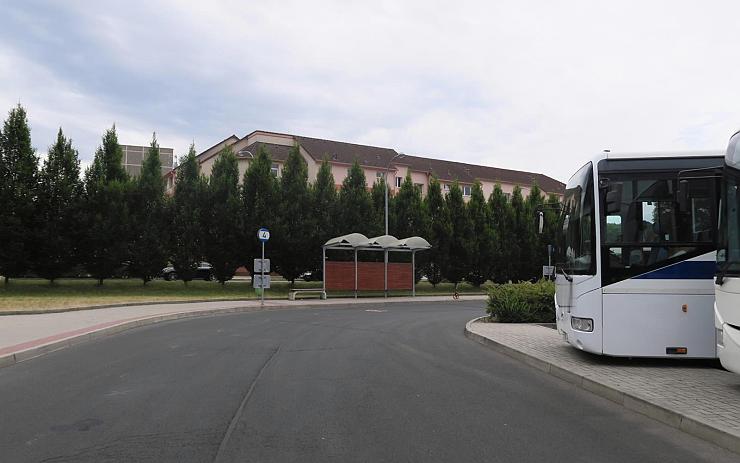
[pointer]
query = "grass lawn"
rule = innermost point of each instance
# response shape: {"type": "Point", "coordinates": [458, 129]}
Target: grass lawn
{"type": "Point", "coordinates": [36, 294]}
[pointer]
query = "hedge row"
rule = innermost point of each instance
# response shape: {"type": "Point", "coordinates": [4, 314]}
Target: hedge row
{"type": "Point", "coordinates": [523, 302]}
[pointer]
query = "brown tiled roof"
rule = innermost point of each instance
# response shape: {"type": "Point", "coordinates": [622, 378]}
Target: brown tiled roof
{"type": "Point", "coordinates": [277, 152]}
{"type": "Point", "coordinates": [373, 156]}
{"type": "Point", "coordinates": [339, 151]}
{"type": "Point", "coordinates": [468, 173]}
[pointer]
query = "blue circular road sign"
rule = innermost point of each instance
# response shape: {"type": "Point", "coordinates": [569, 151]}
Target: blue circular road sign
{"type": "Point", "coordinates": [263, 234]}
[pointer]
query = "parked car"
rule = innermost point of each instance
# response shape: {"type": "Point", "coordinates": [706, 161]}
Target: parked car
{"type": "Point", "coordinates": [203, 272]}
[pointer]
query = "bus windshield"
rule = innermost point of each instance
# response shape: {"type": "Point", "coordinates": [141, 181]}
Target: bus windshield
{"type": "Point", "coordinates": [576, 230]}
{"type": "Point", "coordinates": [728, 253]}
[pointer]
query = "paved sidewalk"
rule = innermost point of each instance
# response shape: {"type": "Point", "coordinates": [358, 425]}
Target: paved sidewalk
{"type": "Point", "coordinates": [693, 396]}
{"type": "Point", "coordinates": [27, 336]}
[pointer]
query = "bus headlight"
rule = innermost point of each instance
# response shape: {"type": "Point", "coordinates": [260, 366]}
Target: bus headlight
{"type": "Point", "coordinates": [582, 324]}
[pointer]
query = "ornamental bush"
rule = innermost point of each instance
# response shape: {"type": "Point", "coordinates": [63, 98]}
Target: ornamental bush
{"type": "Point", "coordinates": [523, 302]}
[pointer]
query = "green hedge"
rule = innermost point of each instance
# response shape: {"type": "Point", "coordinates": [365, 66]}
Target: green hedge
{"type": "Point", "coordinates": [523, 302]}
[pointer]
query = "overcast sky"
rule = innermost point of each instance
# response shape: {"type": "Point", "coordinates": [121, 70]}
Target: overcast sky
{"type": "Point", "coordinates": [533, 85]}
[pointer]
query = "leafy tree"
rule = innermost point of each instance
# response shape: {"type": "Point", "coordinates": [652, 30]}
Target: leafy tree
{"type": "Point", "coordinates": [148, 250]}
{"type": "Point", "coordinates": [221, 217]}
{"type": "Point", "coordinates": [483, 239]}
{"type": "Point", "coordinates": [293, 238]}
{"type": "Point", "coordinates": [324, 211]}
{"type": "Point", "coordinates": [461, 237]}
{"type": "Point", "coordinates": [355, 205]}
{"type": "Point", "coordinates": [18, 177]}
{"type": "Point", "coordinates": [502, 222]}
{"type": "Point", "coordinates": [185, 216]}
{"type": "Point", "coordinates": [439, 232]}
{"type": "Point", "coordinates": [60, 190]}
{"type": "Point", "coordinates": [259, 202]}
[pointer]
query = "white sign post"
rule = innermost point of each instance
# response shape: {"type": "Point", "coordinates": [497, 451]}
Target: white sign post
{"type": "Point", "coordinates": [263, 235]}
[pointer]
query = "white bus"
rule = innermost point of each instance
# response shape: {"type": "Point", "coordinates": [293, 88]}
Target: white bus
{"type": "Point", "coordinates": [727, 282]}
{"type": "Point", "coordinates": [635, 256]}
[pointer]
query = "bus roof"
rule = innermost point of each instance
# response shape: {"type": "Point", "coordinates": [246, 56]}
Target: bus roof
{"type": "Point", "coordinates": [661, 154]}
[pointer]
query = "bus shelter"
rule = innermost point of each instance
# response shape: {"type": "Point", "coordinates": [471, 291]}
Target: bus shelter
{"type": "Point", "coordinates": [356, 276]}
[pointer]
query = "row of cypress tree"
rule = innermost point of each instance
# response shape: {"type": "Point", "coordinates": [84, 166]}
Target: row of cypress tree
{"type": "Point", "coordinates": [54, 220]}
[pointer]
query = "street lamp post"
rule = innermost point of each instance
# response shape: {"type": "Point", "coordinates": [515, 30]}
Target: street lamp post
{"type": "Point", "coordinates": [388, 166]}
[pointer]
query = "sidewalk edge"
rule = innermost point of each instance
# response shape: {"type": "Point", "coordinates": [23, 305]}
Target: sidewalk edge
{"type": "Point", "coordinates": [189, 301]}
{"type": "Point", "coordinates": [688, 424]}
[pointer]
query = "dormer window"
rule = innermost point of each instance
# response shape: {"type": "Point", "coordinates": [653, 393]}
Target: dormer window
{"type": "Point", "coordinates": [466, 190]}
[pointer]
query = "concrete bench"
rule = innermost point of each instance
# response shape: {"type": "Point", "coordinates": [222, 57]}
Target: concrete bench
{"type": "Point", "coordinates": [294, 292]}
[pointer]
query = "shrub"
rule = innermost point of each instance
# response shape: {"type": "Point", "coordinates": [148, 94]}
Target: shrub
{"type": "Point", "coordinates": [523, 302]}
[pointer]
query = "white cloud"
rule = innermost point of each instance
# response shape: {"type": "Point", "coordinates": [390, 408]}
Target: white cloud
{"type": "Point", "coordinates": [536, 85]}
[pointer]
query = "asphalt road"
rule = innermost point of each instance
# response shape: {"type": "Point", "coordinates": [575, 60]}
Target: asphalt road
{"type": "Point", "coordinates": [315, 385]}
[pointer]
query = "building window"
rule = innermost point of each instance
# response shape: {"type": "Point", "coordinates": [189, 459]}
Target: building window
{"type": "Point", "coordinates": [399, 181]}
{"type": "Point", "coordinates": [466, 190]}
{"type": "Point", "coordinates": [446, 187]}
{"type": "Point", "coordinates": [275, 169]}
{"type": "Point", "coordinates": [378, 174]}
{"type": "Point", "coordinates": [507, 196]}
{"type": "Point", "coordinates": [420, 187]}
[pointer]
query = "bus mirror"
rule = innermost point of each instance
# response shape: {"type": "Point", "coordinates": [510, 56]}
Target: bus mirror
{"type": "Point", "coordinates": [541, 224]}
{"type": "Point", "coordinates": [683, 194]}
{"type": "Point", "coordinates": [614, 199]}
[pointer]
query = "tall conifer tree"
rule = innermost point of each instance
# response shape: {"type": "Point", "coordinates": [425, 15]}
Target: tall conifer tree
{"type": "Point", "coordinates": [106, 211]}
{"type": "Point", "coordinates": [439, 232]}
{"type": "Point", "coordinates": [355, 205]}
{"type": "Point", "coordinates": [18, 188]}
{"type": "Point", "coordinates": [518, 238]}
{"type": "Point", "coordinates": [149, 227]}
{"type": "Point", "coordinates": [324, 209]}
{"type": "Point", "coordinates": [501, 219]}
{"type": "Point", "coordinates": [293, 239]}
{"type": "Point", "coordinates": [461, 237]}
{"type": "Point", "coordinates": [483, 238]}
{"type": "Point", "coordinates": [260, 194]}
{"type": "Point", "coordinates": [221, 213]}
{"type": "Point", "coordinates": [60, 191]}
{"type": "Point", "coordinates": [185, 216]}
{"type": "Point", "coordinates": [535, 250]}
{"type": "Point", "coordinates": [410, 218]}
{"type": "Point", "coordinates": [376, 226]}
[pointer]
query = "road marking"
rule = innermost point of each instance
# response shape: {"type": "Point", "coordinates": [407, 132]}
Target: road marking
{"type": "Point", "coordinates": [375, 310]}
{"type": "Point", "coordinates": [242, 406]}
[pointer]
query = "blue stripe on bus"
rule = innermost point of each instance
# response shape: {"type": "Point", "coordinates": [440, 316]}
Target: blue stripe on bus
{"type": "Point", "coordinates": [686, 270]}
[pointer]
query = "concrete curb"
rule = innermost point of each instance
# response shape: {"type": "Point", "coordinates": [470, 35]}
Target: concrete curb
{"type": "Point", "coordinates": [184, 301]}
{"type": "Point", "coordinates": [686, 423]}
{"type": "Point", "coordinates": [126, 324]}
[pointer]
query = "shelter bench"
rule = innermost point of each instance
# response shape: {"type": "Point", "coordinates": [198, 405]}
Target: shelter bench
{"type": "Point", "coordinates": [293, 292]}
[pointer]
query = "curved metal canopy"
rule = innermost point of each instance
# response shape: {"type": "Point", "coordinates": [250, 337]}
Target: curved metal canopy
{"type": "Point", "coordinates": [353, 240]}
{"type": "Point", "coordinates": [414, 243]}
{"type": "Point", "coordinates": [382, 242]}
